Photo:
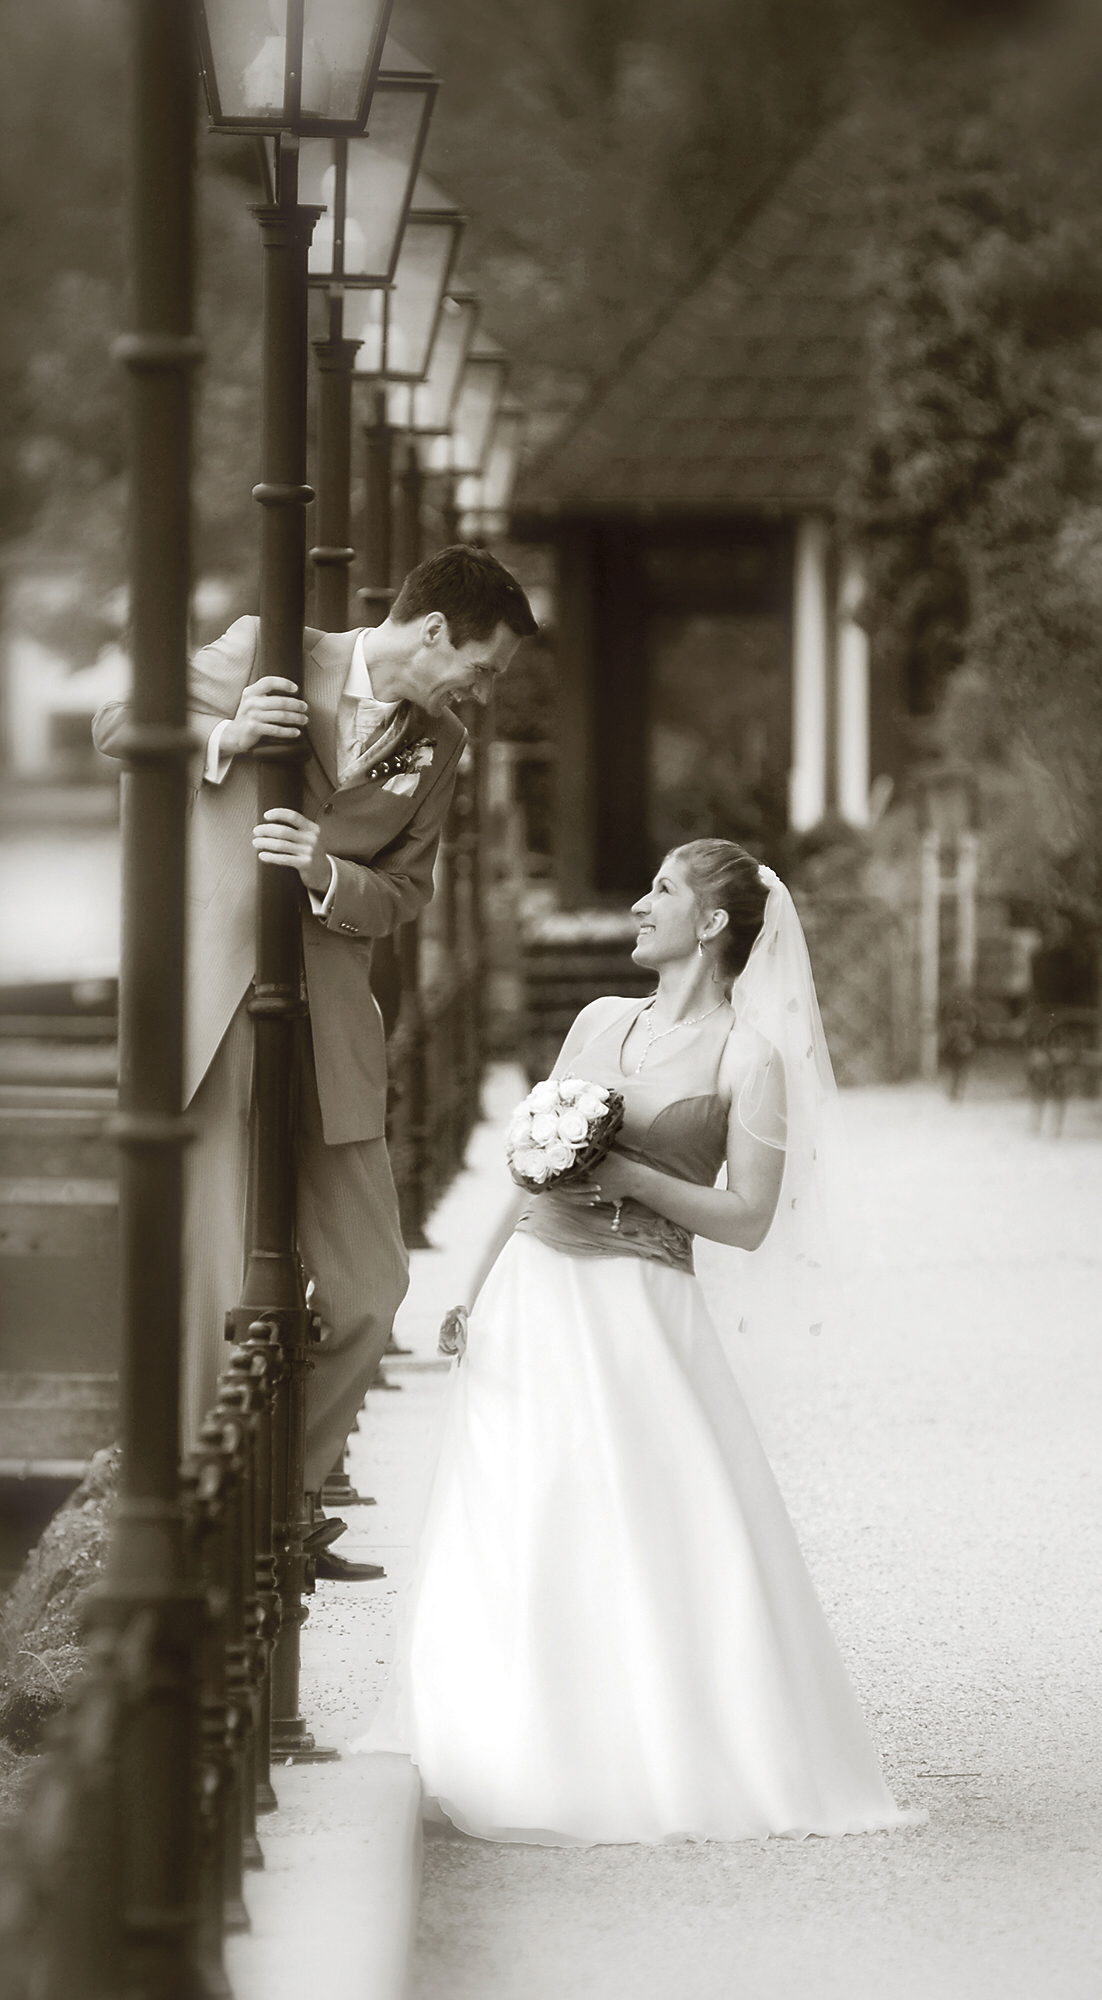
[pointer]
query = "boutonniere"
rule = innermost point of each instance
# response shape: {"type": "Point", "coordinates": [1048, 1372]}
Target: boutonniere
{"type": "Point", "coordinates": [402, 769]}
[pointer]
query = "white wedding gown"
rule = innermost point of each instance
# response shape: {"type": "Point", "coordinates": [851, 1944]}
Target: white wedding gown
{"type": "Point", "coordinates": [610, 1633]}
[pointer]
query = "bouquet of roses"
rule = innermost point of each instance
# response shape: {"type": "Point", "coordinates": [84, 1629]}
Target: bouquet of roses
{"type": "Point", "coordinates": [561, 1130]}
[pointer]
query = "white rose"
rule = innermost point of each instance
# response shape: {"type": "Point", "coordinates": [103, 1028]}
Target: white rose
{"type": "Point", "coordinates": [573, 1125]}
{"type": "Point", "coordinates": [591, 1106]}
{"type": "Point", "coordinates": [544, 1097]}
{"type": "Point", "coordinates": [570, 1088]}
{"type": "Point", "coordinates": [520, 1127]}
{"type": "Point", "coordinates": [533, 1165]}
{"type": "Point", "coordinates": [559, 1156]}
{"type": "Point", "coordinates": [545, 1127]}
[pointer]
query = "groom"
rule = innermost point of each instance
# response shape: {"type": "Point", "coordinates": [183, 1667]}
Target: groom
{"type": "Point", "coordinates": [385, 748]}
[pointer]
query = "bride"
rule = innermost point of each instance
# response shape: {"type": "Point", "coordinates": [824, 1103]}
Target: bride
{"type": "Point", "coordinates": [610, 1634]}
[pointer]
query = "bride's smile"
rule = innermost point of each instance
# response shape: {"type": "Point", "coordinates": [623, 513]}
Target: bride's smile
{"type": "Point", "coordinates": [668, 920]}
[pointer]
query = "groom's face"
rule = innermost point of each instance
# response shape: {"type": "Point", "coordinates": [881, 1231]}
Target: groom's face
{"type": "Point", "coordinates": [443, 674]}
{"type": "Point", "coordinates": [667, 918]}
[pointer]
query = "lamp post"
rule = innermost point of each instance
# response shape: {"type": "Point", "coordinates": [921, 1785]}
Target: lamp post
{"type": "Point", "coordinates": [300, 81]}
{"type": "Point", "coordinates": [367, 185]}
{"type": "Point", "coordinates": [424, 411]}
{"type": "Point", "coordinates": [484, 503]}
{"type": "Point", "coordinates": [462, 451]}
{"type": "Point", "coordinates": [113, 1830]}
{"type": "Point", "coordinates": [280, 67]}
{"type": "Point", "coordinates": [147, 1604]}
{"type": "Point", "coordinates": [397, 327]}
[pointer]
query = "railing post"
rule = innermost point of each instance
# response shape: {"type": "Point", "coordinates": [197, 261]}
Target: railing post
{"type": "Point", "coordinates": [264, 1359]}
{"type": "Point", "coordinates": [225, 1427]}
{"type": "Point", "coordinates": [273, 1287]}
{"type": "Point", "coordinates": [204, 1483]}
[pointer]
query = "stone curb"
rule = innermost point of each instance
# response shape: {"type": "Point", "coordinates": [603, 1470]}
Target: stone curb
{"type": "Point", "coordinates": [334, 1910]}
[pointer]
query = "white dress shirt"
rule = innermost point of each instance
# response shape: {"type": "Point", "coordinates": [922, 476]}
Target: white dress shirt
{"type": "Point", "coordinates": [360, 718]}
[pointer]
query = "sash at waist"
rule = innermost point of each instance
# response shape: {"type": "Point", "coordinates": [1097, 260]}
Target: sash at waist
{"type": "Point", "coordinates": [566, 1224]}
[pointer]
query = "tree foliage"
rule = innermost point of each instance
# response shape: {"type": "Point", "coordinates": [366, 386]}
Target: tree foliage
{"type": "Point", "coordinates": [602, 149]}
{"type": "Point", "coordinates": [979, 486]}
{"type": "Point", "coordinates": [606, 148]}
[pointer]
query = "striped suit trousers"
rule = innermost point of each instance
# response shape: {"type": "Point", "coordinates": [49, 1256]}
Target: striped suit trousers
{"type": "Point", "coordinates": [349, 1239]}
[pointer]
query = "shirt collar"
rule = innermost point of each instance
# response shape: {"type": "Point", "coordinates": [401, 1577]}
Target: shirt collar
{"type": "Point", "coordinates": [358, 685]}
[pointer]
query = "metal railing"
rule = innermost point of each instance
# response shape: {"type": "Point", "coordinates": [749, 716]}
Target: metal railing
{"type": "Point", "coordinates": [72, 1914]}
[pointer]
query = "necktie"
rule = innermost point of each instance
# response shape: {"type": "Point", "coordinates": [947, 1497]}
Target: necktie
{"type": "Point", "coordinates": [359, 728]}
{"type": "Point", "coordinates": [371, 717]}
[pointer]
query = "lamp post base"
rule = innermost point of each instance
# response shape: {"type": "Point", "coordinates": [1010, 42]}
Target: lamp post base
{"type": "Point", "coordinates": [292, 1743]}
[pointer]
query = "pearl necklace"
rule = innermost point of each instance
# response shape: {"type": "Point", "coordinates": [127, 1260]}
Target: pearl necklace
{"type": "Point", "coordinates": [661, 1034]}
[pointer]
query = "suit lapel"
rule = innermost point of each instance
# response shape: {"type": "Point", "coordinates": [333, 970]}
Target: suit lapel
{"type": "Point", "coordinates": [326, 672]}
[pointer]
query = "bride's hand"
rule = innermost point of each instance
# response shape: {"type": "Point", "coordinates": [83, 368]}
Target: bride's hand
{"type": "Point", "coordinates": [613, 1178]}
{"type": "Point", "coordinates": [583, 1193]}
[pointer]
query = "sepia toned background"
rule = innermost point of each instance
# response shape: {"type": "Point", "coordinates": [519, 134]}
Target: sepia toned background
{"type": "Point", "coordinates": [802, 307]}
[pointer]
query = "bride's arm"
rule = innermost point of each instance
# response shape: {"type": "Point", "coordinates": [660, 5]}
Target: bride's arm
{"type": "Point", "coordinates": [739, 1214]}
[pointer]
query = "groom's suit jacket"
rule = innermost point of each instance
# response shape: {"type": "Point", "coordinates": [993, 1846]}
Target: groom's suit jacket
{"type": "Point", "coordinates": [383, 842]}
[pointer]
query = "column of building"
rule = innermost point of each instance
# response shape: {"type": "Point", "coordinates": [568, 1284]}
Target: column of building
{"type": "Point", "coordinates": [830, 682]}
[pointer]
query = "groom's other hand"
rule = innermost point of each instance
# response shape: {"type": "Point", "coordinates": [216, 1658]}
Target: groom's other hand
{"type": "Point", "coordinates": [268, 707]}
{"type": "Point", "coordinates": [288, 839]}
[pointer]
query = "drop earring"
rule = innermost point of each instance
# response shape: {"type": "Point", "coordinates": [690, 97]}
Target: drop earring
{"type": "Point", "coordinates": [700, 946]}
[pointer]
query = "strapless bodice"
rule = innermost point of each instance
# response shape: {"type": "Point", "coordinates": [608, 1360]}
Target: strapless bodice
{"type": "Point", "coordinates": [674, 1120]}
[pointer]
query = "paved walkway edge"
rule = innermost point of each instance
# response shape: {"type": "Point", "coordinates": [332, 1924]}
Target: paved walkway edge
{"type": "Point", "coordinates": [334, 1910]}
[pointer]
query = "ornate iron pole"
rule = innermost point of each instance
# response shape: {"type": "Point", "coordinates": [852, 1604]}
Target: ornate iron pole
{"type": "Point", "coordinates": [406, 1053]}
{"type": "Point", "coordinates": [377, 595]}
{"type": "Point", "coordinates": [449, 509]}
{"type": "Point", "coordinates": [273, 1289]}
{"type": "Point", "coordinates": [332, 555]}
{"type": "Point", "coordinates": [411, 486]}
{"type": "Point", "coordinates": [151, 1610]}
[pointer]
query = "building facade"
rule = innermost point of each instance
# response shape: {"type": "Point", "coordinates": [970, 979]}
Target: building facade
{"type": "Point", "coordinates": [714, 674]}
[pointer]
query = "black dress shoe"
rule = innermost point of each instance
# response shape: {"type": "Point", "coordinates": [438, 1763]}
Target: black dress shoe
{"type": "Point", "coordinates": [326, 1530]}
{"type": "Point", "coordinates": [338, 1569]}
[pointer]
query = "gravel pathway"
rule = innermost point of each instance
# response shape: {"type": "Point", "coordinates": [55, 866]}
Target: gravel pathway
{"type": "Point", "coordinates": [939, 1455]}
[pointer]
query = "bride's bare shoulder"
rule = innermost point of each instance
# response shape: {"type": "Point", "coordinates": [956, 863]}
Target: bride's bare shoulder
{"type": "Point", "coordinates": [598, 1014]}
{"type": "Point", "coordinates": [748, 1053]}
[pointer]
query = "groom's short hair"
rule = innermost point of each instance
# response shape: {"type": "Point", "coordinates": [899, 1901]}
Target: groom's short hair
{"type": "Point", "coordinates": [474, 591]}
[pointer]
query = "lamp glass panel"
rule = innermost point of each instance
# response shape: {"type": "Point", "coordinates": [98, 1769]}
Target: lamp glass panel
{"type": "Point", "coordinates": [340, 42]}
{"type": "Point", "coordinates": [482, 390]}
{"type": "Point", "coordinates": [424, 266]}
{"type": "Point", "coordinates": [380, 172]}
{"type": "Point", "coordinates": [248, 42]}
{"type": "Point", "coordinates": [365, 321]}
{"type": "Point", "coordinates": [377, 189]}
{"type": "Point", "coordinates": [434, 398]}
{"type": "Point", "coordinates": [500, 475]}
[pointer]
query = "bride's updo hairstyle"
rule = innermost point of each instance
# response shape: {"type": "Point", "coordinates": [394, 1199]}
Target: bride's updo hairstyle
{"type": "Point", "coordinates": [724, 877]}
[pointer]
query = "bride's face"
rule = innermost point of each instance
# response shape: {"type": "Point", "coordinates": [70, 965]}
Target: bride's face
{"type": "Point", "coordinates": [668, 918]}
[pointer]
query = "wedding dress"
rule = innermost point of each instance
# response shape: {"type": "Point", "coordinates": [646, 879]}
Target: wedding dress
{"type": "Point", "coordinates": [610, 1634]}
